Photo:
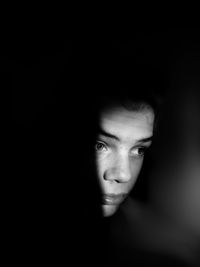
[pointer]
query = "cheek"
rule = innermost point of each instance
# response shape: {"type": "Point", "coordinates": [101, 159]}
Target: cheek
{"type": "Point", "coordinates": [101, 165]}
{"type": "Point", "coordinates": [135, 170]}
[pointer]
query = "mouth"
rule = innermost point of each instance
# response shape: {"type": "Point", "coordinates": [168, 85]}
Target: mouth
{"type": "Point", "coordinates": [113, 199]}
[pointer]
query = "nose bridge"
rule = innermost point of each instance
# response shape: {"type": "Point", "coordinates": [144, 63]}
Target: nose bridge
{"type": "Point", "coordinates": [120, 170]}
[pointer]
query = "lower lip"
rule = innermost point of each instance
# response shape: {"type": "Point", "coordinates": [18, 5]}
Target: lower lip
{"type": "Point", "coordinates": [112, 200]}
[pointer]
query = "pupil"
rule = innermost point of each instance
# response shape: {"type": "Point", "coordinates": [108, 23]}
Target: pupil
{"type": "Point", "coordinates": [141, 151]}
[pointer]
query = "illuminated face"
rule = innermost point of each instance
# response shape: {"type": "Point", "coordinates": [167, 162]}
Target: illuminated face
{"type": "Point", "coordinates": [123, 137]}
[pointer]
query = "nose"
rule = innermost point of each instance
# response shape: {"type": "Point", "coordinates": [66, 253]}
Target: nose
{"type": "Point", "coordinates": [119, 171]}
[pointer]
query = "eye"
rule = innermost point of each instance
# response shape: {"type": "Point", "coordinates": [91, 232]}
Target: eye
{"type": "Point", "coordinates": [100, 146]}
{"type": "Point", "coordinates": [138, 151]}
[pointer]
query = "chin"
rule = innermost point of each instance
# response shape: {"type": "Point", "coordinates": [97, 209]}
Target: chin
{"type": "Point", "coordinates": [109, 210]}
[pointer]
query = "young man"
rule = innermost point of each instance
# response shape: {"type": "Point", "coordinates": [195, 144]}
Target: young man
{"type": "Point", "coordinates": [125, 132]}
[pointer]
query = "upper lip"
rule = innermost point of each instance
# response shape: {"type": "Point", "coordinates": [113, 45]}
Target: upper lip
{"type": "Point", "coordinates": [113, 199]}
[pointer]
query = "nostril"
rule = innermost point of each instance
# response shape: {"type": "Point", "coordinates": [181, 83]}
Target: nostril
{"type": "Point", "coordinates": [117, 175]}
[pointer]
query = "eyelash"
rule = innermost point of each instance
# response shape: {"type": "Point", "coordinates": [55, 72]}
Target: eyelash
{"type": "Point", "coordinates": [100, 143]}
{"type": "Point", "coordinates": [105, 147]}
{"type": "Point", "coordinates": [144, 148]}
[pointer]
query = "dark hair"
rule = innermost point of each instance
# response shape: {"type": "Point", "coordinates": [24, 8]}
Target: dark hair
{"type": "Point", "coordinates": [129, 98]}
{"type": "Point", "coordinates": [134, 86]}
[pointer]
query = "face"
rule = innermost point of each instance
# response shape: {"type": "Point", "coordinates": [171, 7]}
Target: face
{"type": "Point", "coordinates": [122, 140]}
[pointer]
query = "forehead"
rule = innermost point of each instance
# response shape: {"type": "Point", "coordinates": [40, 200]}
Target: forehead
{"type": "Point", "coordinates": [127, 123]}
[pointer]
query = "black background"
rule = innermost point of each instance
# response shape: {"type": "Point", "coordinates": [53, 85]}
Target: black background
{"type": "Point", "coordinates": [54, 81]}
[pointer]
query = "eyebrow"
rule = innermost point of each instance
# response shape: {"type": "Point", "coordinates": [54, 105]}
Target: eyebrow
{"type": "Point", "coordinates": [145, 140]}
{"type": "Point", "coordinates": [109, 135]}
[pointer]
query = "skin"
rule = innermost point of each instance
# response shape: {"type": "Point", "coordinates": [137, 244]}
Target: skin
{"type": "Point", "coordinates": [123, 137]}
